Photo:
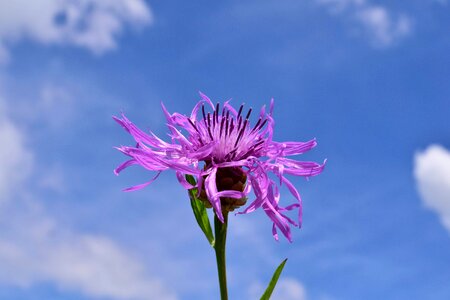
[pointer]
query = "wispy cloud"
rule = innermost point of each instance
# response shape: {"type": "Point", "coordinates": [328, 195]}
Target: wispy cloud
{"type": "Point", "coordinates": [381, 26]}
{"type": "Point", "coordinates": [384, 29]}
{"type": "Point", "coordinates": [286, 289]}
{"type": "Point", "coordinates": [16, 159]}
{"type": "Point", "coordinates": [35, 248]}
{"type": "Point", "coordinates": [90, 24]}
{"type": "Point", "coordinates": [432, 173]}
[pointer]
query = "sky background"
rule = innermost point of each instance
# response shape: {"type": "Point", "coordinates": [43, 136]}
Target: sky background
{"type": "Point", "coordinates": [369, 79]}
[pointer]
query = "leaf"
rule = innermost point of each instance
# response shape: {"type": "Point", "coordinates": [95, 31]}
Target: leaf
{"type": "Point", "coordinates": [273, 281]}
{"type": "Point", "coordinates": [200, 212]}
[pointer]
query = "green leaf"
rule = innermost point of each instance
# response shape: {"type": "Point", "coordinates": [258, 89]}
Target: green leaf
{"type": "Point", "coordinates": [200, 213]}
{"type": "Point", "coordinates": [273, 281]}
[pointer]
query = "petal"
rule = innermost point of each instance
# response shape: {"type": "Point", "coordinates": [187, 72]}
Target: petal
{"type": "Point", "coordinates": [124, 166]}
{"type": "Point", "coordinates": [211, 192]}
{"type": "Point", "coordinates": [141, 186]}
{"type": "Point", "coordinates": [262, 112]}
{"type": "Point", "coordinates": [298, 168]}
{"type": "Point", "coordinates": [305, 172]}
{"type": "Point", "coordinates": [300, 212]}
{"type": "Point", "coordinates": [200, 181]}
{"type": "Point", "coordinates": [202, 152]}
{"type": "Point", "coordinates": [259, 193]}
{"type": "Point", "coordinates": [173, 164]}
{"type": "Point", "coordinates": [195, 110]}
{"type": "Point", "coordinates": [231, 194]}
{"type": "Point", "coordinates": [166, 113]}
{"type": "Point", "coordinates": [296, 194]}
{"type": "Point", "coordinates": [291, 148]}
{"type": "Point", "coordinates": [274, 232]}
{"type": "Point", "coordinates": [176, 134]}
{"type": "Point", "coordinates": [206, 99]}
{"type": "Point", "coordinates": [272, 104]}
{"type": "Point", "coordinates": [142, 137]}
{"type": "Point", "coordinates": [230, 108]}
{"type": "Point", "coordinates": [292, 189]}
{"type": "Point", "coordinates": [278, 220]}
{"type": "Point", "coordinates": [182, 180]}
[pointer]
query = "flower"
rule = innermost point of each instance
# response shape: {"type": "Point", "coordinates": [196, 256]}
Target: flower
{"type": "Point", "coordinates": [228, 157]}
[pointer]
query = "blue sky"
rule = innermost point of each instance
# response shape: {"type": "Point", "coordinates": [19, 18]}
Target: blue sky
{"type": "Point", "coordinates": [368, 79]}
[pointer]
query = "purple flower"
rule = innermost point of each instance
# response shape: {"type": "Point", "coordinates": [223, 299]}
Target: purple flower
{"type": "Point", "coordinates": [228, 157]}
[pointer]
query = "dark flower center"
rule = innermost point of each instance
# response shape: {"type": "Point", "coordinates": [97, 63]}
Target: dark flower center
{"type": "Point", "coordinates": [229, 178]}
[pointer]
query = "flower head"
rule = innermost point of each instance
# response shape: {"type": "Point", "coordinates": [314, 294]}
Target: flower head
{"type": "Point", "coordinates": [228, 156]}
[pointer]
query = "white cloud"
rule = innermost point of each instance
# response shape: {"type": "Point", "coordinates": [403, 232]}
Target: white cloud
{"type": "Point", "coordinates": [90, 24]}
{"type": "Point", "coordinates": [382, 28]}
{"type": "Point", "coordinates": [286, 289]}
{"type": "Point", "coordinates": [289, 289]}
{"type": "Point", "coordinates": [432, 173]}
{"type": "Point", "coordinates": [35, 248]}
{"type": "Point", "coordinates": [15, 157]}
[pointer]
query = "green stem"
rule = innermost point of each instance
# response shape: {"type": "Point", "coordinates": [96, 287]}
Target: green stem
{"type": "Point", "coordinates": [220, 230]}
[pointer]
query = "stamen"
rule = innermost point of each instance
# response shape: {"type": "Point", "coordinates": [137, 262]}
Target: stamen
{"type": "Point", "coordinates": [209, 120]}
{"type": "Point", "coordinates": [209, 126]}
{"type": "Point", "coordinates": [221, 126]}
{"type": "Point", "coordinates": [258, 143]}
{"type": "Point", "coordinates": [240, 133]}
{"type": "Point", "coordinates": [199, 138]}
{"type": "Point", "coordinates": [226, 124]}
{"type": "Point", "coordinates": [248, 114]}
{"type": "Point", "coordinates": [240, 111]}
{"type": "Point", "coordinates": [210, 134]}
{"type": "Point", "coordinates": [217, 112]}
{"type": "Point", "coordinates": [203, 112]}
{"type": "Point", "coordinates": [253, 148]}
{"type": "Point", "coordinates": [193, 125]}
{"type": "Point", "coordinates": [256, 125]}
{"type": "Point", "coordinates": [262, 125]}
{"type": "Point", "coordinates": [238, 138]}
{"type": "Point", "coordinates": [244, 125]}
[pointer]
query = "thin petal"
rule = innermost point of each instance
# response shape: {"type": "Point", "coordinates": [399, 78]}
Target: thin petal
{"type": "Point", "coordinates": [292, 189]}
{"type": "Point", "coordinates": [142, 137]}
{"type": "Point", "coordinates": [202, 152]}
{"type": "Point", "coordinates": [124, 166]}
{"type": "Point", "coordinates": [231, 194]}
{"type": "Point", "coordinates": [278, 220]}
{"type": "Point", "coordinates": [296, 194]}
{"type": "Point", "coordinates": [141, 186]}
{"type": "Point", "coordinates": [291, 148]}
{"type": "Point", "coordinates": [200, 182]}
{"type": "Point", "coordinates": [182, 180]}
{"type": "Point", "coordinates": [211, 192]}
{"type": "Point", "coordinates": [206, 99]}
{"type": "Point", "coordinates": [274, 232]}
{"type": "Point", "coordinates": [230, 108]}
